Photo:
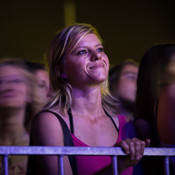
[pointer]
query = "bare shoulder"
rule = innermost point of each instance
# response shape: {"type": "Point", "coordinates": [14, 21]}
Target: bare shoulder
{"type": "Point", "coordinates": [46, 118]}
{"type": "Point", "coordinates": [47, 130]}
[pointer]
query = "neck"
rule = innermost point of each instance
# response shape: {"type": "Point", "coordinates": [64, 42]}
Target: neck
{"type": "Point", "coordinates": [87, 102]}
{"type": "Point", "coordinates": [11, 126]}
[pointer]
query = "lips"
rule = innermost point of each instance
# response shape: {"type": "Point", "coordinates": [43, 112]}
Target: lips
{"type": "Point", "coordinates": [96, 66]}
{"type": "Point", "coordinates": [7, 95]}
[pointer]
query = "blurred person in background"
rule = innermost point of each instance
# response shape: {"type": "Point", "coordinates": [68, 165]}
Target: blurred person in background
{"type": "Point", "coordinates": [19, 103]}
{"type": "Point", "coordinates": [156, 73]}
{"type": "Point", "coordinates": [165, 114]}
{"type": "Point", "coordinates": [122, 85]}
{"type": "Point", "coordinates": [42, 77]}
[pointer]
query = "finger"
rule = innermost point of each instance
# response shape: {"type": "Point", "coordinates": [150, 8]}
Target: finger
{"type": "Point", "coordinates": [147, 141]}
{"type": "Point", "coordinates": [132, 149]}
{"type": "Point", "coordinates": [125, 146]}
{"type": "Point", "coordinates": [138, 149]}
{"type": "Point", "coordinates": [143, 144]}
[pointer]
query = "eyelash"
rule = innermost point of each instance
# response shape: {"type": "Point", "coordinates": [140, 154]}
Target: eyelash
{"type": "Point", "coordinates": [84, 51]}
{"type": "Point", "coordinates": [101, 49]}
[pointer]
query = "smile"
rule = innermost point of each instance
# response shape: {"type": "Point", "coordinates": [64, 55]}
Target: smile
{"type": "Point", "coordinates": [96, 66]}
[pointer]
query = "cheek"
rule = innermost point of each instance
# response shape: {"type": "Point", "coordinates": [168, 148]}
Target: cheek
{"type": "Point", "coordinates": [123, 88]}
{"type": "Point", "coordinates": [121, 91]}
{"type": "Point", "coordinates": [74, 69]}
{"type": "Point", "coordinates": [107, 62]}
{"type": "Point", "coordinates": [127, 90]}
{"type": "Point", "coordinates": [107, 66]}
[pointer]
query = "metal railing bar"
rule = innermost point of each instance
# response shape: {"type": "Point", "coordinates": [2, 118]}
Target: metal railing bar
{"type": "Point", "coordinates": [53, 150]}
{"type": "Point", "coordinates": [166, 164]}
{"type": "Point", "coordinates": [5, 164]}
{"type": "Point", "coordinates": [61, 164]}
{"type": "Point", "coordinates": [114, 164]}
{"type": "Point", "coordinates": [5, 151]}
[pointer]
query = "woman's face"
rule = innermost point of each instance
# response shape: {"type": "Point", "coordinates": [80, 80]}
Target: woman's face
{"type": "Point", "coordinates": [87, 64]}
{"type": "Point", "coordinates": [126, 87]}
{"type": "Point", "coordinates": [42, 78]}
{"type": "Point", "coordinates": [13, 87]}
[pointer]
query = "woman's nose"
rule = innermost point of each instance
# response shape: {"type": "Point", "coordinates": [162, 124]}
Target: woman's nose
{"type": "Point", "coordinates": [95, 56]}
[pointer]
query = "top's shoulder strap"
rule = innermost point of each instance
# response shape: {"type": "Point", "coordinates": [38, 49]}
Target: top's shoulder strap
{"type": "Point", "coordinates": [112, 120]}
{"type": "Point", "coordinates": [67, 135]}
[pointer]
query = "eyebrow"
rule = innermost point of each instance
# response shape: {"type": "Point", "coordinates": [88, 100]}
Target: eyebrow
{"type": "Point", "coordinates": [86, 46]}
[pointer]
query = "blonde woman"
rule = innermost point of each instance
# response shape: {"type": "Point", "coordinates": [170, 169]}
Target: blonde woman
{"type": "Point", "coordinates": [79, 69]}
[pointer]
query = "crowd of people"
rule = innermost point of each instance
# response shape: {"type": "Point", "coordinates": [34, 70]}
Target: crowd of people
{"type": "Point", "coordinates": [129, 105]}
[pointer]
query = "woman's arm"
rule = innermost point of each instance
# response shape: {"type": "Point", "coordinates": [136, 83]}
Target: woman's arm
{"type": "Point", "coordinates": [47, 131]}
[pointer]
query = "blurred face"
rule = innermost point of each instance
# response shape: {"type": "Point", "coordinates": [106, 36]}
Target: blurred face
{"type": "Point", "coordinates": [126, 88]}
{"type": "Point", "coordinates": [87, 64]}
{"type": "Point", "coordinates": [170, 70]}
{"type": "Point", "coordinates": [13, 87]}
{"type": "Point", "coordinates": [43, 83]}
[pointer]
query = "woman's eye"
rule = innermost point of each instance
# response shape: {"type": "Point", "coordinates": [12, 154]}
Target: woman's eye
{"type": "Point", "coordinates": [42, 85]}
{"type": "Point", "coordinates": [101, 49]}
{"type": "Point", "coordinates": [82, 52]}
{"type": "Point", "coordinates": [131, 76]}
{"type": "Point", "coordinates": [16, 81]}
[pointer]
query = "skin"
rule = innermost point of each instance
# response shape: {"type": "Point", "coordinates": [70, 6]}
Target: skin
{"type": "Point", "coordinates": [165, 113]}
{"type": "Point", "coordinates": [13, 87]}
{"type": "Point", "coordinates": [43, 84]}
{"type": "Point", "coordinates": [126, 87]}
{"type": "Point", "coordinates": [90, 64]}
{"type": "Point", "coordinates": [166, 117]}
{"type": "Point", "coordinates": [13, 100]}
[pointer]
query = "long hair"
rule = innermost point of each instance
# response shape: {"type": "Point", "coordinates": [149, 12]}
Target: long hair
{"type": "Point", "coordinates": [63, 44]}
{"type": "Point", "coordinates": [152, 77]}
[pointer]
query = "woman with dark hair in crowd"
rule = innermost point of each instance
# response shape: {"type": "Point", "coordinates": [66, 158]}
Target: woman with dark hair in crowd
{"type": "Point", "coordinates": [154, 74]}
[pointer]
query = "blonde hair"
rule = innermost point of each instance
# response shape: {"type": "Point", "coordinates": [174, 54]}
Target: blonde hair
{"type": "Point", "coordinates": [63, 44]}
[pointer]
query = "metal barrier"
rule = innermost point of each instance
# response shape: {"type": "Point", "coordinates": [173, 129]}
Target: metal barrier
{"type": "Point", "coordinates": [5, 151]}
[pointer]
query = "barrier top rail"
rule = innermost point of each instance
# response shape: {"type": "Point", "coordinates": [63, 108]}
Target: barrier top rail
{"type": "Point", "coordinates": [53, 150]}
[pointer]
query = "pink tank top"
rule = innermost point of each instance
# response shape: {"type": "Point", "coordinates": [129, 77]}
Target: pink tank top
{"type": "Point", "coordinates": [89, 165]}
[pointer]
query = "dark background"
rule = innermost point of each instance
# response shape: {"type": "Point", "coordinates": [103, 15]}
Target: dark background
{"type": "Point", "coordinates": [128, 28]}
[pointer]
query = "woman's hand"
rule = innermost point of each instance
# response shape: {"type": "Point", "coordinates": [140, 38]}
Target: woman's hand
{"type": "Point", "coordinates": [134, 148]}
